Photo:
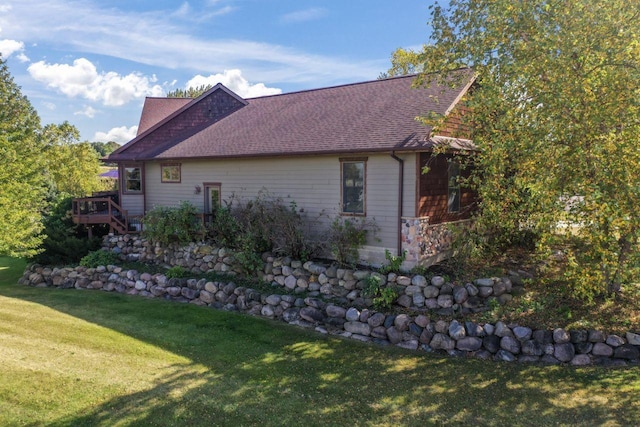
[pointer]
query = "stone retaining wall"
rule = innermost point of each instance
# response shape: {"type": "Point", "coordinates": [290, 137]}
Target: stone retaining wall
{"type": "Point", "coordinates": [327, 314]}
{"type": "Point", "coordinates": [414, 291]}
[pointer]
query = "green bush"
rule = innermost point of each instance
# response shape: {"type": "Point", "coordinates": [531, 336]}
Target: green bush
{"type": "Point", "coordinates": [347, 236]}
{"type": "Point", "coordinates": [65, 242]}
{"type": "Point", "coordinates": [383, 295]}
{"type": "Point", "coordinates": [177, 224]}
{"type": "Point", "coordinates": [177, 272]}
{"type": "Point", "coordinates": [262, 224]}
{"type": "Point", "coordinates": [98, 258]}
{"type": "Point", "coordinates": [394, 262]}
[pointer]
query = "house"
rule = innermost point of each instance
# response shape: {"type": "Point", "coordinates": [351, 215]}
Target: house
{"type": "Point", "coordinates": [353, 150]}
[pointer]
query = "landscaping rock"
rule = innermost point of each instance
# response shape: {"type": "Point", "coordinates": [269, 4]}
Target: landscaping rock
{"type": "Point", "coordinates": [626, 351]}
{"type": "Point", "coordinates": [358, 328]}
{"type": "Point", "coordinates": [510, 344]}
{"type": "Point", "coordinates": [456, 330]}
{"type": "Point", "coordinates": [633, 339]}
{"type": "Point", "coordinates": [311, 314]}
{"type": "Point", "coordinates": [469, 344]}
{"type": "Point", "coordinates": [442, 342]}
{"type": "Point", "coordinates": [522, 333]}
{"type": "Point", "coordinates": [601, 349]}
{"type": "Point", "coordinates": [614, 340]}
{"type": "Point", "coordinates": [560, 336]}
{"type": "Point", "coordinates": [564, 352]}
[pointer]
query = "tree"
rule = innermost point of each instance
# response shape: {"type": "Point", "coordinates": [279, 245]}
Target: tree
{"type": "Point", "coordinates": [556, 113]}
{"type": "Point", "coordinates": [105, 148]}
{"type": "Point", "coordinates": [73, 167]}
{"type": "Point", "coordinates": [403, 62]}
{"type": "Point", "coordinates": [21, 164]}
{"type": "Point", "coordinates": [191, 92]}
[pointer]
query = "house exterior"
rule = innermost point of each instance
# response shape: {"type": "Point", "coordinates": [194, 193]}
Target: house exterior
{"type": "Point", "coordinates": [353, 150]}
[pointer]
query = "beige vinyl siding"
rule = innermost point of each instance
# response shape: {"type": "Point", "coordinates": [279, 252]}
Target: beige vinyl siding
{"type": "Point", "coordinates": [132, 203]}
{"type": "Point", "coordinates": [312, 182]}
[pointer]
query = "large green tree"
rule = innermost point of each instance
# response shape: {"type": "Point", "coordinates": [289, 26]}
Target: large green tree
{"type": "Point", "coordinates": [22, 187]}
{"type": "Point", "coordinates": [556, 112]}
{"type": "Point", "coordinates": [72, 166]}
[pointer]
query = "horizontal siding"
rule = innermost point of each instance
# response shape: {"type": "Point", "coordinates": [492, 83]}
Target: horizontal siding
{"type": "Point", "coordinates": [312, 182]}
{"type": "Point", "coordinates": [133, 204]}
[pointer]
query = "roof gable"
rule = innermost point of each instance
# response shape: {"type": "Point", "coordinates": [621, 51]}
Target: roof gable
{"type": "Point", "coordinates": [155, 110]}
{"type": "Point", "coordinates": [212, 106]}
{"type": "Point", "coordinates": [379, 115]}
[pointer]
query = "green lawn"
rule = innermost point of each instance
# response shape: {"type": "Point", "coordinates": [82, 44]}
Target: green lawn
{"type": "Point", "coordinates": [71, 357]}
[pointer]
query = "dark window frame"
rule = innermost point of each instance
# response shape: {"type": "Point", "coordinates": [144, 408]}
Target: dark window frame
{"type": "Point", "coordinates": [125, 179]}
{"type": "Point", "coordinates": [343, 187]}
{"type": "Point", "coordinates": [453, 186]}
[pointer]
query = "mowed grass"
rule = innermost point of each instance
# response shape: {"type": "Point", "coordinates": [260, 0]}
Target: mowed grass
{"type": "Point", "coordinates": [70, 357]}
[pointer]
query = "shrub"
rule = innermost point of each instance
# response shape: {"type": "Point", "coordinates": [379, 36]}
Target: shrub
{"type": "Point", "coordinates": [262, 224]}
{"type": "Point", "coordinates": [64, 242]}
{"type": "Point", "coordinates": [394, 262]}
{"type": "Point", "coordinates": [98, 258]}
{"type": "Point", "coordinates": [383, 295]}
{"type": "Point", "coordinates": [177, 272]}
{"type": "Point", "coordinates": [179, 224]}
{"type": "Point", "coordinates": [224, 228]}
{"type": "Point", "coordinates": [347, 236]}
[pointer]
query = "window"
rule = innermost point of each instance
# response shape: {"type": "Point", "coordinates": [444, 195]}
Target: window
{"type": "Point", "coordinates": [170, 172]}
{"type": "Point", "coordinates": [454, 187]}
{"type": "Point", "coordinates": [353, 172]}
{"type": "Point", "coordinates": [132, 179]}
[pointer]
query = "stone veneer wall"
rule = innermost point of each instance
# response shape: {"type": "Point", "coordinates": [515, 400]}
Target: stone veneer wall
{"type": "Point", "coordinates": [329, 316]}
{"type": "Point", "coordinates": [424, 243]}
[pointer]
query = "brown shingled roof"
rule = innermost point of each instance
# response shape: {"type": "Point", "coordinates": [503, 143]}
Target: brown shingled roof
{"type": "Point", "coordinates": [364, 117]}
{"type": "Point", "coordinates": [157, 109]}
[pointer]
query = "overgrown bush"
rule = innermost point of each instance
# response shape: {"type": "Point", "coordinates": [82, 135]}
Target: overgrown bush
{"type": "Point", "coordinates": [173, 224]}
{"type": "Point", "coordinates": [97, 258]}
{"type": "Point", "coordinates": [265, 223]}
{"type": "Point", "coordinates": [65, 242]}
{"type": "Point", "coordinates": [346, 236]}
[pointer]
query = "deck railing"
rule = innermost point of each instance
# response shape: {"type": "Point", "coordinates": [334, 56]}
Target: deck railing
{"type": "Point", "coordinates": [104, 210]}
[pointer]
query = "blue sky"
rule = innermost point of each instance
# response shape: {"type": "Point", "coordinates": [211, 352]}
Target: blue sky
{"type": "Point", "coordinates": [92, 62]}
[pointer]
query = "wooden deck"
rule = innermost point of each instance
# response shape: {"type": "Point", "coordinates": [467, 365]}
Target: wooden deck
{"type": "Point", "coordinates": [103, 209]}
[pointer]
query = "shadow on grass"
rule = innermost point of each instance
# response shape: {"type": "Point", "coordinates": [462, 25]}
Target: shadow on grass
{"type": "Point", "coordinates": [263, 372]}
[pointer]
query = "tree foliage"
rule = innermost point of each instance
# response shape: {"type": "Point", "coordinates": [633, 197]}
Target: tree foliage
{"type": "Point", "coordinates": [556, 112]}
{"type": "Point", "coordinates": [190, 92]}
{"type": "Point", "coordinates": [21, 165]}
{"type": "Point", "coordinates": [403, 62]}
{"type": "Point", "coordinates": [105, 148]}
{"type": "Point", "coordinates": [73, 167]}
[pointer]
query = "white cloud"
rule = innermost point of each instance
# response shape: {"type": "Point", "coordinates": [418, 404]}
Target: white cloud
{"type": "Point", "coordinates": [159, 39]}
{"type": "Point", "coordinates": [233, 80]}
{"type": "Point", "coordinates": [83, 79]}
{"type": "Point", "coordinates": [9, 47]}
{"type": "Point", "coordinates": [88, 111]}
{"type": "Point", "coordinates": [120, 135]}
{"type": "Point", "coordinates": [304, 15]}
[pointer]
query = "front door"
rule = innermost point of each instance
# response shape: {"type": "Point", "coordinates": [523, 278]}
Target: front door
{"type": "Point", "coordinates": [212, 198]}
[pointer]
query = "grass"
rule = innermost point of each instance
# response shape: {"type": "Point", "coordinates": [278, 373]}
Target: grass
{"type": "Point", "coordinates": [74, 357]}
